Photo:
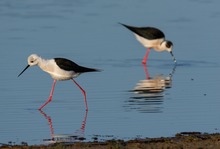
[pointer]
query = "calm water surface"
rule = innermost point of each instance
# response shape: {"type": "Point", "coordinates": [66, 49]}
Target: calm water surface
{"type": "Point", "coordinates": [127, 99]}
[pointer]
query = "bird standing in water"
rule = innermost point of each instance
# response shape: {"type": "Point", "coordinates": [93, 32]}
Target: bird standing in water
{"type": "Point", "coordinates": [151, 37]}
{"type": "Point", "coordinates": [59, 69]}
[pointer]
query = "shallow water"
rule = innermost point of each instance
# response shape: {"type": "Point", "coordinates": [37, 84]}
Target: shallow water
{"type": "Point", "coordinates": [127, 99]}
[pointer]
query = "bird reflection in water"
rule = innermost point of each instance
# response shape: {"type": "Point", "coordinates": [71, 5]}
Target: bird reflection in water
{"type": "Point", "coordinates": [65, 138]}
{"type": "Point", "coordinates": [149, 93]}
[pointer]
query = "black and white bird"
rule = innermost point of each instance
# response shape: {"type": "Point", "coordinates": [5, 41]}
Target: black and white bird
{"type": "Point", "coordinates": [59, 69]}
{"type": "Point", "coordinates": [151, 37]}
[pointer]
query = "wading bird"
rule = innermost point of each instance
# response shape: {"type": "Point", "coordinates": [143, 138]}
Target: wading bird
{"type": "Point", "coordinates": [151, 37]}
{"type": "Point", "coordinates": [59, 69]}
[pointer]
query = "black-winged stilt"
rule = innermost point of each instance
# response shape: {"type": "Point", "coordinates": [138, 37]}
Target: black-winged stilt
{"type": "Point", "coordinates": [59, 69]}
{"type": "Point", "coordinates": [151, 37]}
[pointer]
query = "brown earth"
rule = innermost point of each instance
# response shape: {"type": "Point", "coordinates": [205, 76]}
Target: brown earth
{"type": "Point", "coordinates": [184, 140]}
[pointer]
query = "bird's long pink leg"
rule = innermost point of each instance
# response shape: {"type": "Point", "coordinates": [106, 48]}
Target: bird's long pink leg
{"type": "Point", "coordinates": [84, 93]}
{"type": "Point", "coordinates": [146, 56]}
{"type": "Point", "coordinates": [50, 97]}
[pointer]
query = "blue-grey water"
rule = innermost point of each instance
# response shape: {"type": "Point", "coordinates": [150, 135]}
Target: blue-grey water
{"type": "Point", "coordinates": [127, 99]}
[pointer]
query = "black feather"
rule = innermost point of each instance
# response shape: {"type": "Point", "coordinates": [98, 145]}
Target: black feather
{"type": "Point", "coordinates": [146, 32]}
{"type": "Point", "coordinates": [69, 65]}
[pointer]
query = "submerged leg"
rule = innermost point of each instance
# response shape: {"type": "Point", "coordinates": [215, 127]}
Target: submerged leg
{"type": "Point", "coordinates": [146, 72]}
{"type": "Point", "coordinates": [146, 56]}
{"type": "Point", "coordinates": [50, 97]}
{"type": "Point", "coordinates": [84, 93]}
{"type": "Point", "coordinates": [50, 123]}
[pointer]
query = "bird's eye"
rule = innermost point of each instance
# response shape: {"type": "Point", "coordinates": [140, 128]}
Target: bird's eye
{"type": "Point", "coordinates": [32, 61]}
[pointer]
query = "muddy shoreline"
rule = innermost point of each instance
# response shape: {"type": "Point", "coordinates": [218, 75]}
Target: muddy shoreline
{"type": "Point", "coordinates": [183, 140]}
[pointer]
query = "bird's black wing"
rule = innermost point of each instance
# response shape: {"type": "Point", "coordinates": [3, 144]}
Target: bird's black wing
{"type": "Point", "coordinates": [146, 32]}
{"type": "Point", "coordinates": [69, 65]}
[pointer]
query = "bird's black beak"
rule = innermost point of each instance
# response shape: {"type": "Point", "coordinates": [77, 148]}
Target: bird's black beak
{"type": "Point", "coordinates": [24, 70]}
{"type": "Point", "coordinates": [173, 56]}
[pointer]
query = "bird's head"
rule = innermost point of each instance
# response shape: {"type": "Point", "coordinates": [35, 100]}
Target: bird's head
{"type": "Point", "coordinates": [33, 59]}
{"type": "Point", "coordinates": [168, 46]}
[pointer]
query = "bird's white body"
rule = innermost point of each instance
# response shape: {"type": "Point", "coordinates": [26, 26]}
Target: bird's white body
{"type": "Point", "coordinates": [50, 66]}
{"type": "Point", "coordinates": [156, 44]}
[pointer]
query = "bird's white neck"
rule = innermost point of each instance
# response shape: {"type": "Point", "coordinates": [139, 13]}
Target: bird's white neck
{"type": "Point", "coordinates": [161, 46]}
{"type": "Point", "coordinates": [43, 63]}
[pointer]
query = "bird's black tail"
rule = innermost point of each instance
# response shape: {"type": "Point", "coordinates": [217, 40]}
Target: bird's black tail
{"type": "Point", "coordinates": [82, 69]}
{"type": "Point", "coordinates": [129, 27]}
